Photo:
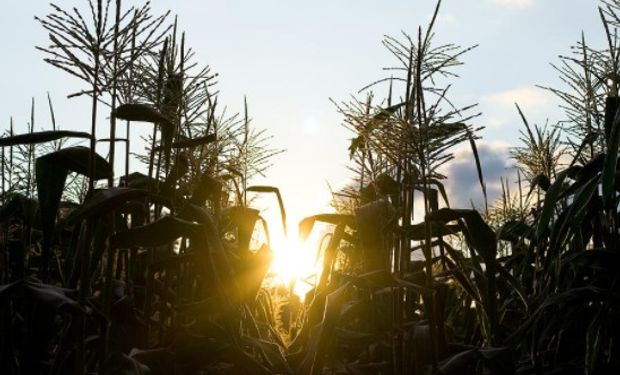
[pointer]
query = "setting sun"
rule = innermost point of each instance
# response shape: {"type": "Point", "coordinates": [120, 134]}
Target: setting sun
{"type": "Point", "coordinates": [295, 263]}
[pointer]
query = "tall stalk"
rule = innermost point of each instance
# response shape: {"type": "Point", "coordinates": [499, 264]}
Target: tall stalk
{"type": "Point", "coordinates": [95, 100]}
{"type": "Point", "coordinates": [114, 91]}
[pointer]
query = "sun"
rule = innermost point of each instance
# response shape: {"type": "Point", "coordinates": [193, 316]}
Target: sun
{"type": "Point", "coordinates": [295, 263]}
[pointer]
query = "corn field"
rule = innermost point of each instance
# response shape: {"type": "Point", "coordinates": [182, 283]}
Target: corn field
{"type": "Point", "coordinates": [165, 267]}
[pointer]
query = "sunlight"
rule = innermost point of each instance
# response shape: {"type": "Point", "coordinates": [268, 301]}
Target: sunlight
{"type": "Point", "coordinates": [295, 263]}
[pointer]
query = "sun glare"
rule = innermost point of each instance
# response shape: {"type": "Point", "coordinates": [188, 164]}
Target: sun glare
{"type": "Point", "coordinates": [295, 263]}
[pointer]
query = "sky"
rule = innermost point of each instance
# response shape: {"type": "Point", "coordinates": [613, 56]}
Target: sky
{"type": "Point", "coordinates": [290, 57]}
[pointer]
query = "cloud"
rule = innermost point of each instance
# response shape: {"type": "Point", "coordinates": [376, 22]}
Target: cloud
{"type": "Point", "coordinates": [462, 183]}
{"type": "Point", "coordinates": [494, 122]}
{"type": "Point", "coordinates": [518, 3]}
{"type": "Point", "coordinates": [526, 97]}
{"type": "Point", "coordinates": [499, 109]}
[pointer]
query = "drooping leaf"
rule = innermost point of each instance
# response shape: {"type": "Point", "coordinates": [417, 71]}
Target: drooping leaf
{"type": "Point", "coordinates": [40, 137]}
{"type": "Point", "coordinates": [276, 191]}
{"type": "Point", "coordinates": [136, 180]}
{"type": "Point", "coordinates": [441, 188]}
{"type": "Point", "coordinates": [50, 178]}
{"type": "Point", "coordinates": [140, 112]}
{"type": "Point", "coordinates": [474, 149]}
{"type": "Point", "coordinates": [244, 219]}
{"type": "Point", "coordinates": [76, 159]}
{"type": "Point", "coordinates": [105, 201]}
{"type": "Point", "coordinates": [588, 170]}
{"type": "Point", "coordinates": [380, 279]}
{"type": "Point", "coordinates": [416, 232]}
{"type": "Point", "coordinates": [158, 233]}
{"type": "Point", "coordinates": [51, 174]}
{"type": "Point", "coordinates": [385, 113]}
{"type": "Point", "coordinates": [482, 236]}
{"type": "Point", "coordinates": [514, 230]}
{"type": "Point", "coordinates": [191, 142]}
{"type": "Point", "coordinates": [58, 299]}
{"type": "Point", "coordinates": [306, 225]}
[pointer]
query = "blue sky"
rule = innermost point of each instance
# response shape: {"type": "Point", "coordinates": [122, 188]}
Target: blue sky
{"type": "Point", "coordinates": [290, 57]}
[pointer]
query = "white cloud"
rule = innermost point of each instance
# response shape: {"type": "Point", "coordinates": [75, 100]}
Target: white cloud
{"type": "Point", "coordinates": [527, 97]}
{"type": "Point", "coordinates": [462, 183]}
{"type": "Point", "coordinates": [519, 3]}
{"type": "Point", "coordinates": [494, 122]}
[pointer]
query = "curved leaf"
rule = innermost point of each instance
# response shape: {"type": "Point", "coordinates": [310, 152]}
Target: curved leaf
{"type": "Point", "coordinates": [191, 142]}
{"type": "Point", "coordinates": [105, 201]}
{"type": "Point", "coordinates": [40, 137]}
{"type": "Point", "coordinates": [276, 191]}
{"type": "Point", "coordinates": [306, 224]}
{"type": "Point", "coordinates": [380, 279]}
{"type": "Point", "coordinates": [56, 298]}
{"type": "Point", "coordinates": [244, 219]}
{"type": "Point", "coordinates": [415, 232]}
{"type": "Point", "coordinates": [158, 233]}
{"type": "Point", "coordinates": [514, 230]}
{"type": "Point", "coordinates": [76, 159]}
{"type": "Point", "coordinates": [140, 112]}
{"type": "Point", "coordinates": [50, 178]}
{"type": "Point", "coordinates": [482, 236]}
{"type": "Point", "coordinates": [474, 149]}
